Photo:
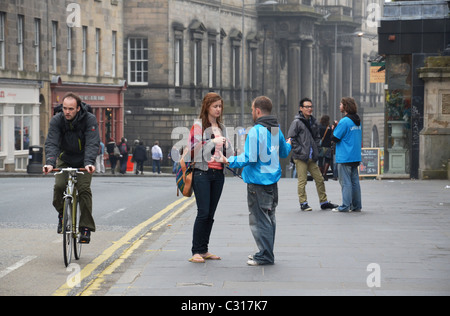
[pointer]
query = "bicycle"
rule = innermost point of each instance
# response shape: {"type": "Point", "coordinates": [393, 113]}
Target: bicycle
{"type": "Point", "coordinates": [71, 215]}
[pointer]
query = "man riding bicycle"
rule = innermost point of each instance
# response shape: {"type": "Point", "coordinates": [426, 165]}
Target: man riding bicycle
{"type": "Point", "coordinates": [73, 141]}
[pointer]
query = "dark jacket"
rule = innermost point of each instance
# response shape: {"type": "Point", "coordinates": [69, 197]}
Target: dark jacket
{"type": "Point", "coordinates": [75, 142]}
{"type": "Point", "coordinates": [304, 135]}
{"type": "Point", "coordinates": [140, 153]}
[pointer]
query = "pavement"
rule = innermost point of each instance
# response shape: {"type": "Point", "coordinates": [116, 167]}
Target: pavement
{"type": "Point", "coordinates": [398, 245]}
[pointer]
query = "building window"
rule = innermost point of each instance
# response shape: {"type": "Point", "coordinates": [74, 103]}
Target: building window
{"type": "Point", "coordinates": [235, 66]}
{"type": "Point", "coordinates": [20, 20]}
{"type": "Point", "coordinates": [197, 30]}
{"type": "Point", "coordinates": [97, 51]}
{"type": "Point", "coordinates": [178, 62]}
{"type": "Point", "coordinates": [252, 69]}
{"type": "Point", "coordinates": [37, 44]}
{"type": "Point", "coordinates": [84, 50]}
{"type": "Point", "coordinates": [54, 46]}
{"type": "Point", "coordinates": [178, 57]}
{"type": "Point", "coordinates": [114, 54]}
{"type": "Point", "coordinates": [197, 65]}
{"type": "Point", "coordinates": [138, 61]}
{"type": "Point", "coordinates": [69, 50]}
{"type": "Point", "coordinates": [212, 65]}
{"type": "Point", "coordinates": [2, 39]}
{"type": "Point", "coordinates": [22, 126]}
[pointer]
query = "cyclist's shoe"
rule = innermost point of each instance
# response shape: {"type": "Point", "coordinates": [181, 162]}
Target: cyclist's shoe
{"type": "Point", "coordinates": [85, 235]}
{"type": "Point", "coordinates": [60, 223]}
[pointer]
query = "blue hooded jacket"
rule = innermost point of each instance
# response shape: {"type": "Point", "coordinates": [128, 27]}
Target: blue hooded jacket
{"type": "Point", "coordinates": [264, 146]}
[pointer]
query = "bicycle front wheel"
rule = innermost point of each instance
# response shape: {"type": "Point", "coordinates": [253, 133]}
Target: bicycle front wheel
{"type": "Point", "coordinates": [67, 231]}
{"type": "Point", "coordinates": [76, 235]}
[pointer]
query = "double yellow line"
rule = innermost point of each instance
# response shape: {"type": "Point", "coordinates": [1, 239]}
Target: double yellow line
{"type": "Point", "coordinates": [89, 269]}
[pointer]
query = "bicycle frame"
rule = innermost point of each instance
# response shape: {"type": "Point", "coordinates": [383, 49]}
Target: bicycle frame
{"type": "Point", "coordinates": [70, 231]}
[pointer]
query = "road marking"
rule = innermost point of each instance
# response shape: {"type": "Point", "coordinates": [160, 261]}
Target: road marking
{"type": "Point", "coordinates": [120, 210]}
{"type": "Point", "coordinates": [16, 266]}
{"type": "Point", "coordinates": [108, 253]}
{"type": "Point", "coordinates": [96, 283]}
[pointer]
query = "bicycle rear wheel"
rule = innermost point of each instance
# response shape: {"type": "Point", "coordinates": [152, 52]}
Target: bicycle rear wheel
{"type": "Point", "coordinates": [67, 231]}
{"type": "Point", "coordinates": [76, 235]}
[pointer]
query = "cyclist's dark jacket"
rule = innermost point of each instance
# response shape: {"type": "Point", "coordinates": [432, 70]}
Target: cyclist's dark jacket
{"type": "Point", "coordinates": [75, 142]}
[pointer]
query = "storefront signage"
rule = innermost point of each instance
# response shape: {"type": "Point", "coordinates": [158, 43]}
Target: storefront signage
{"type": "Point", "coordinates": [370, 162]}
{"type": "Point", "coordinates": [174, 110]}
{"type": "Point", "coordinates": [377, 73]}
{"type": "Point", "coordinates": [93, 97]}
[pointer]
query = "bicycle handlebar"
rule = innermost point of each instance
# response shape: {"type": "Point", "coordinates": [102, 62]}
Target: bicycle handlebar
{"type": "Point", "coordinates": [69, 169]}
{"type": "Point", "coordinates": [76, 170]}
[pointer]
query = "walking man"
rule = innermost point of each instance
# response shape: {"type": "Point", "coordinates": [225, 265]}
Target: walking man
{"type": "Point", "coordinates": [304, 133]}
{"type": "Point", "coordinates": [264, 146]}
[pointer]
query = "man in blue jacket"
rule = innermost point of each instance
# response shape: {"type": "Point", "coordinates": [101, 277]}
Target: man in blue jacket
{"type": "Point", "coordinates": [348, 138]}
{"type": "Point", "coordinates": [264, 146]}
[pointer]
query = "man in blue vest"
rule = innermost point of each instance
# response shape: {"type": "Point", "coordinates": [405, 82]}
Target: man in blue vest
{"type": "Point", "coordinates": [264, 146]}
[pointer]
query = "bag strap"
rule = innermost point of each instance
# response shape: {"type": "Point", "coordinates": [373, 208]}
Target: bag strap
{"type": "Point", "coordinates": [326, 131]}
{"type": "Point", "coordinates": [235, 174]}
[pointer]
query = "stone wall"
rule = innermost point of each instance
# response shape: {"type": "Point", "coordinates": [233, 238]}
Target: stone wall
{"type": "Point", "coordinates": [435, 136]}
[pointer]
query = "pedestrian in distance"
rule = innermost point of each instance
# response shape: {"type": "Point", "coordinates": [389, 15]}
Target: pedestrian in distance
{"type": "Point", "coordinates": [325, 151]}
{"type": "Point", "coordinates": [99, 161]}
{"type": "Point", "coordinates": [207, 140]}
{"type": "Point", "coordinates": [113, 153]}
{"type": "Point", "coordinates": [157, 157]}
{"type": "Point", "coordinates": [348, 138]}
{"type": "Point", "coordinates": [124, 149]}
{"type": "Point", "coordinates": [264, 146]}
{"type": "Point", "coordinates": [73, 141]}
{"type": "Point", "coordinates": [304, 134]}
{"type": "Point", "coordinates": [140, 156]}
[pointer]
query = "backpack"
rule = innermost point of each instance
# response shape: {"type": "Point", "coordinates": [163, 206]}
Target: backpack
{"type": "Point", "coordinates": [123, 149]}
{"type": "Point", "coordinates": [184, 175]}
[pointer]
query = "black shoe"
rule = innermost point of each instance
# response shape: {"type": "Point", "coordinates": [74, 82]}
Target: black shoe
{"type": "Point", "coordinates": [85, 235]}
{"type": "Point", "coordinates": [305, 207]}
{"type": "Point", "coordinates": [60, 223]}
{"type": "Point", "coordinates": [328, 205]}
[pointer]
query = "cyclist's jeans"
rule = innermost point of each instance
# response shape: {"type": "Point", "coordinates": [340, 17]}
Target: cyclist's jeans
{"type": "Point", "coordinates": [84, 196]}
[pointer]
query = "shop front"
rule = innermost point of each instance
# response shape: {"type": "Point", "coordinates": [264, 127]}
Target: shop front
{"type": "Point", "coordinates": [409, 33]}
{"type": "Point", "coordinates": [19, 122]}
{"type": "Point", "coordinates": [398, 115]}
{"type": "Point", "coordinates": [107, 103]}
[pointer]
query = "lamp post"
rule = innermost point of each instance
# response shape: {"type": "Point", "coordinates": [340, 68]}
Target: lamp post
{"type": "Point", "coordinates": [359, 34]}
{"type": "Point", "coordinates": [269, 2]}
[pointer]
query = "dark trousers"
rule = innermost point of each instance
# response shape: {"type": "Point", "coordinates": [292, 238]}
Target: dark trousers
{"type": "Point", "coordinates": [139, 166]}
{"type": "Point", "coordinates": [262, 202]}
{"type": "Point", "coordinates": [123, 164]}
{"type": "Point", "coordinates": [113, 161]}
{"type": "Point", "coordinates": [208, 187]}
{"type": "Point", "coordinates": [84, 196]}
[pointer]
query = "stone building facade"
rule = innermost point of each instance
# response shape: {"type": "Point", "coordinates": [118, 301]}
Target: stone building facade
{"type": "Point", "coordinates": [176, 51]}
{"type": "Point", "coordinates": [50, 47]}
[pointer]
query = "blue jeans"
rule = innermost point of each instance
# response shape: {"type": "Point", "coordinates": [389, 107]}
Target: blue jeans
{"type": "Point", "coordinates": [262, 202]}
{"type": "Point", "coordinates": [156, 166]}
{"type": "Point", "coordinates": [208, 187]}
{"type": "Point", "coordinates": [351, 190]}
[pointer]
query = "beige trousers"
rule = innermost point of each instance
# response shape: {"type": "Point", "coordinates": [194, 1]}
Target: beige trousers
{"type": "Point", "coordinates": [302, 174]}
